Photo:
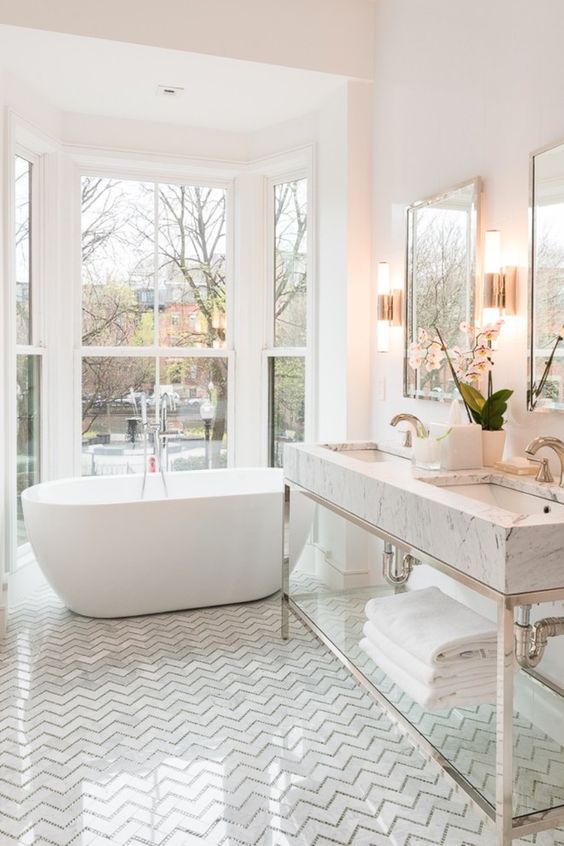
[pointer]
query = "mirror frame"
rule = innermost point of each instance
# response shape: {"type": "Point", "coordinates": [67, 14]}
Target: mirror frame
{"type": "Point", "coordinates": [477, 184]}
{"type": "Point", "coordinates": [531, 281]}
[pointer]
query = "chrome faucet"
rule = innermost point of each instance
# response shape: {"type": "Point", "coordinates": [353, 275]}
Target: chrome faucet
{"type": "Point", "coordinates": [145, 426]}
{"type": "Point", "coordinates": [163, 414]}
{"type": "Point", "coordinates": [414, 421]}
{"type": "Point", "coordinates": [544, 474]}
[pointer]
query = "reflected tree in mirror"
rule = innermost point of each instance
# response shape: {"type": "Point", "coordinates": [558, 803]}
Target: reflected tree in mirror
{"type": "Point", "coordinates": [546, 354]}
{"type": "Point", "coordinates": [441, 279]}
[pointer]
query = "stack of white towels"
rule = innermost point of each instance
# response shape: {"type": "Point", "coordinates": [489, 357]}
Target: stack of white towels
{"type": "Point", "coordinates": [439, 652]}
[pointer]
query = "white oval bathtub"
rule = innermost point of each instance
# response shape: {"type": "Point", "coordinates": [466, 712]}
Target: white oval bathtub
{"type": "Point", "coordinates": [216, 539]}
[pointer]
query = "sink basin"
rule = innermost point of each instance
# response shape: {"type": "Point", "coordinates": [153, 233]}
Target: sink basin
{"type": "Point", "coordinates": [365, 453]}
{"type": "Point", "coordinates": [509, 499]}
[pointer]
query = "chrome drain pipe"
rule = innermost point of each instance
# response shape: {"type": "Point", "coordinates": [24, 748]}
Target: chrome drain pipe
{"type": "Point", "coordinates": [396, 572]}
{"type": "Point", "coordinates": [531, 639]}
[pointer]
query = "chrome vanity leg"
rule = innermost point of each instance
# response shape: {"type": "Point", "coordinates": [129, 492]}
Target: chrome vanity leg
{"type": "Point", "coordinates": [504, 724]}
{"type": "Point", "coordinates": [285, 619]}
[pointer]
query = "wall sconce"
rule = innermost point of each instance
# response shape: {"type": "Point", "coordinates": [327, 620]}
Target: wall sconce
{"type": "Point", "coordinates": [499, 281]}
{"type": "Point", "coordinates": [389, 308]}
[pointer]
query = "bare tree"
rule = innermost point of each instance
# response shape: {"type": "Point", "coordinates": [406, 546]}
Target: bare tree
{"type": "Point", "coordinates": [22, 247]}
{"type": "Point", "coordinates": [192, 233]}
{"type": "Point", "coordinates": [104, 384]}
{"type": "Point", "coordinates": [110, 311]}
{"type": "Point", "coordinates": [290, 283]}
{"type": "Point", "coordinates": [112, 264]}
{"type": "Point", "coordinates": [99, 214]}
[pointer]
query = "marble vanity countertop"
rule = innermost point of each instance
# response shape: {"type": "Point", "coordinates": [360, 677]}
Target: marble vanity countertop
{"type": "Point", "coordinates": [512, 553]}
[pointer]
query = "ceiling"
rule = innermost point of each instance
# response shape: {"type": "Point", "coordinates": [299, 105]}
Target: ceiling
{"type": "Point", "coordinates": [114, 79]}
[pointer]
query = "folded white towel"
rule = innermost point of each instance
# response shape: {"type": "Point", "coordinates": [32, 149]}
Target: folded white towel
{"type": "Point", "coordinates": [428, 696]}
{"type": "Point", "coordinates": [432, 626]}
{"type": "Point", "coordinates": [466, 670]}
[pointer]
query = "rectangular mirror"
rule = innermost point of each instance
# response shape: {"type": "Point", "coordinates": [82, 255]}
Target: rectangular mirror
{"type": "Point", "coordinates": [441, 277]}
{"type": "Point", "coordinates": [546, 275]}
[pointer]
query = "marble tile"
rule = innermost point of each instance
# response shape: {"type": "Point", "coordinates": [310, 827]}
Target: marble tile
{"type": "Point", "coordinates": [204, 727]}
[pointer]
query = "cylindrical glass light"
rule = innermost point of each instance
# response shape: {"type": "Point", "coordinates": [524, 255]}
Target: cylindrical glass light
{"type": "Point", "coordinates": [492, 251]}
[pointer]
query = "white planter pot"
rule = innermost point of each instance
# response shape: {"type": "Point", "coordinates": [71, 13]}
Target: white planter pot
{"type": "Point", "coordinates": [492, 446]}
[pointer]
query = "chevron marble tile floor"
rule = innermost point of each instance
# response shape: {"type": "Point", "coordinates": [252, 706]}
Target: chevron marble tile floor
{"type": "Point", "coordinates": [203, 727]}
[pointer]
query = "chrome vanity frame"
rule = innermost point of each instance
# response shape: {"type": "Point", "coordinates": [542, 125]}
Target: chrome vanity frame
{"type": "Point", "coordinates": [507, 826]}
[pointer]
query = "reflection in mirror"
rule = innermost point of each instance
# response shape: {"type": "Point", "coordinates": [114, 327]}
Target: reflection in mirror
{"type": "Point", "coordinates": [441, 279]}
{"type": "Point", "coordinates": [546, 359]}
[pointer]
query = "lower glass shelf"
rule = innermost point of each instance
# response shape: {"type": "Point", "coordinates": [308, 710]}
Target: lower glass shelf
{"type": "Point", "coordinates": [465, 736]}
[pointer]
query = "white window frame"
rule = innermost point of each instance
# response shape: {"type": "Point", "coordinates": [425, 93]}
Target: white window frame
{"type": "Point", "coordinates": [147, 172]}
{"type": "Point", "coordinates": [26, 141]}
{"type": "Point", "coordinates": [305, 171]}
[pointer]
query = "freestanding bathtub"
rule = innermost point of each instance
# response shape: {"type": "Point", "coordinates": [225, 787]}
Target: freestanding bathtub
{"type": "Point", "coordinates": [216, 539]}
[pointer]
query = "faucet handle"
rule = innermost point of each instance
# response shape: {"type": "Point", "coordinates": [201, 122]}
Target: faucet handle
{"type": "Point", "coordinates": [543, 473]}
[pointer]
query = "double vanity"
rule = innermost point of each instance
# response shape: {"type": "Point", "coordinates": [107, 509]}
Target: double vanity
{"type": "Point", "coordinates": [364, 522]}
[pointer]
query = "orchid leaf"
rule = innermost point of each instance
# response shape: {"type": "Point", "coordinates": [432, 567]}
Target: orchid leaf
{"type": "Point", "coordinates": [503, 395]}
{"type": "Point", "coordinates": [472, 397]}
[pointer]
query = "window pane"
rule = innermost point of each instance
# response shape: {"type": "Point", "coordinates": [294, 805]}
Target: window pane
{"type": "Point", "coordinates": [112, 441]}
{"type": "Point", "coordinates": [287, 400]}
{"type": "Point", "coordinates": [195, 390]}
{"type": "Point", "coordinates": [28, 374]}
{"type": "Point", "coordinates": [195, 393]}
{"type": "Point", "coordinates": [23, 249]}
{"type": "Point", "coordinates": [117, 262]}
{"type": "Point", "coordinates": [191, 266]}
{"type": "Point", "coordinates": [290, 263]}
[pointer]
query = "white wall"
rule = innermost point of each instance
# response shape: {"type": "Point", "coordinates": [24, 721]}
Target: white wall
{"type": "Point", "coordinates": [331, 315]}
{"type": "Point", "coordinates": [465, 89]}
{"type": "Point", "coordinates": [335, 36]}
{"type": "Point", "coordinates": [344, 261]}
{"type": "Point", "coordinates": [153, 138]}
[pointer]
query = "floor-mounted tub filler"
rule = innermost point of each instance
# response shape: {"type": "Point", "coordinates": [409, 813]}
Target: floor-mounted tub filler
{"type": "Point", "coordinates": [216, 539]}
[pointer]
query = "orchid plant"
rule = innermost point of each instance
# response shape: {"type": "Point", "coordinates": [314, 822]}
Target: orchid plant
{"type": "Point", "coordinates": [467, 365]}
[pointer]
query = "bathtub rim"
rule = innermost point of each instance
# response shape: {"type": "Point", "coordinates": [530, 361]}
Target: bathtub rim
{"type": "Point", "coordinates": [29, 494]}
